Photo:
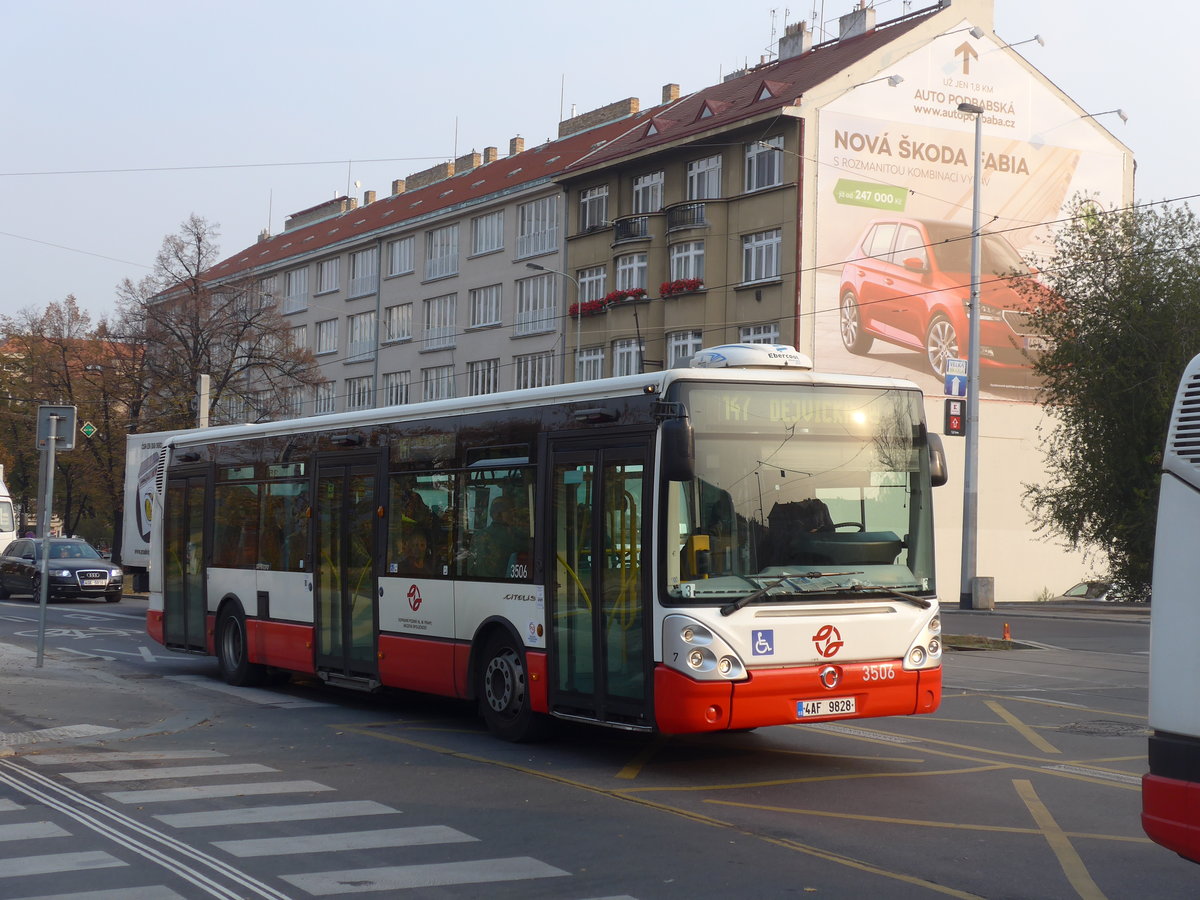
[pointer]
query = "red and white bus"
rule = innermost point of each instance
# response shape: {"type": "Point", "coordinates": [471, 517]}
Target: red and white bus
{"type": "Point", "coordinates": [735, 543]}
{"type": "Point", "coordinates": [1171, 789]}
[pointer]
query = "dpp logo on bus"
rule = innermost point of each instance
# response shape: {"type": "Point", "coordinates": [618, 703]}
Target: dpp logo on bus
{"type": "Point", "coordinates": [828, 641]}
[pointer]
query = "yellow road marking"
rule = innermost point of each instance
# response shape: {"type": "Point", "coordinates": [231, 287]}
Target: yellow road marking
{"type": "Point", "coordinates": [634, 767]}
{"type": "Point", "coordinates": [1024, 730]}
{"type": "Point", "coordinates": [814, 779]}
{"type": "Point", "coordinates": [1070, 861]}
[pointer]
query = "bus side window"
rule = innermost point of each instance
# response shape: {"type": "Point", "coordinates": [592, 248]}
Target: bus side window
{"type": "Point", "coordinates": [235, 526]}
{"type": "Point", "coordinates": [497, 540]}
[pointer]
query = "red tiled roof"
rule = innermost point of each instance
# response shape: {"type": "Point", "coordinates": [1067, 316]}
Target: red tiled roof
{"type": "Point", "coordinates": [534, 164]}
{"type": "Point", "coordinates": [737, 99]}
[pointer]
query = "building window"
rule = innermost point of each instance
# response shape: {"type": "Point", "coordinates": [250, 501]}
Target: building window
{"type": "Point", "coordinates": [485, 306]}
{"type": "Point", "coordinates": [295, 284]}
{"type": "Point", "coordinates": [358, 392]}
{"type": "Point", "coordinates": [764, 164]}
{"type": "Point", "coordinates": [397, 322]}
{"type": "Point", "coordinates": [360, 337]}
{"type": "Point", "coordinates": [327, 336]}
{"type": "Point", "coordinates": [441, 252]}
{"type": "Point", "coordinates": [364, 272]}
{"type": "Point", "coordinates": [627, 357]}
{"type": "Point", "coordinates": [687, 260]}
{"type": "Point", "coordinates": [760, 255]}
{"type": "Point", "coordinates": [268, 288]}
{"type": "Point", "coordinates": [704, 178]}
{"type": "Point", "coordinates": [537, 304]}
{"type": "Point", "coordinates": [298, 337]}
{"type": "Point", "coordinates": [591, 283]}
{"type": "Point", "coordinates": [533, 369]}
{"type": "Point", "coordinates": [324, 400]}
{"type": "Point", "coordinates": [483, 376]}
{"type": "Point", "coordinates": [395, 388]}
{"type": "Point", "coordinates": [537, 227]}
{"type": "Point", "coordinates": [293, 402]}
{"type": "Point", "coordinates": [759, 334]}
{"type": "Point", "coordinates": [648, 193]}
{"type": "Point", "coordinates": [589, 364]}
{"type": "Point", "coordinates": [437, 383]}
{"type": "Point", "coordinates": [631, 271]}
{"type": "Point", "coordinates": [487, 232]}
{"type": "Point", "coordinates": [593, 208]}
{"type": "Point", "coordinates": [440, 318]}
{"type": "Point", "coordinates": [328, 275]}
{"type": "Point", "coordinates": [683, 345]}
{"type": "Point", "coordinates": [400, 256]}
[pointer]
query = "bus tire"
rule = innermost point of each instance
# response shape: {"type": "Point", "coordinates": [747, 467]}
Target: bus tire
{"type": "Point", "coordinates": [232, 652]}
{"type": "Point", "coordinates": [503, 690]}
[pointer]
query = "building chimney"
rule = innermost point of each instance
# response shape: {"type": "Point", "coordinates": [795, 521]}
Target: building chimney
{"type": "Point", "coordinates": [466, 162]}
{"type": "Point", "coordinates": [490, 154]}
{"type": "Point", "coordinates": [857, 22]}
{"type": "Point", "coordinates": [368, 198]}
{"type": "Point", "coordinates": [264, 235]}
{"type": "Point", "coordinates": [397, 186]}
{"type": "Point", "coordinates": [516, 145]}
{"type": "Point", "coordinates": [796, 40]}
{"type": "Point", "coordinates": [630, 106]}
{"type": "Point", "coordinates": [670, 93]}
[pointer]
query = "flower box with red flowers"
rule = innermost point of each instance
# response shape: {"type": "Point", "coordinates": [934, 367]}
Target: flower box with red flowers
{"type": "Point", "coordinates": [680, 286]}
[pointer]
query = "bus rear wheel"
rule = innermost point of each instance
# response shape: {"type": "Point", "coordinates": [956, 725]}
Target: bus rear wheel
{"type": "Point", "coordinates": [232, 653]}
{"type": "Point", "coordinates": [503, 690]}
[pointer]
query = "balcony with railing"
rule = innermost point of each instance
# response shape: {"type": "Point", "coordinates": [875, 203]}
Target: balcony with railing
{"type": "Point", "coordinates": [631, 228]}
{"type": "Point", "coordinates": [686, 215]}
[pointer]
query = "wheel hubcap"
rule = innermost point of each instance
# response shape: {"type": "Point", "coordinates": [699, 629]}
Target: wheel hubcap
{"type": "Point", "coordinates": [942, 345]}
{"type": "Point", "coordinates": [849, 322]}
{"type": "Point", "coordinates": [503, 681]}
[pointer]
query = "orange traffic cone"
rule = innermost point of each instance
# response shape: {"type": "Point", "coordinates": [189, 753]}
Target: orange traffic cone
{"type": "Point", "coordinates": [1007, 634]}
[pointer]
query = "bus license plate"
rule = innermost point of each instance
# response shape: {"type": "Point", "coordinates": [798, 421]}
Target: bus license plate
{"type": "Point", "coordinates": [833, 706]}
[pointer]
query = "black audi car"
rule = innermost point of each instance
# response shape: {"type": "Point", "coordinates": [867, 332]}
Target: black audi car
{"type": "Point", "coordinates": [75, 568]}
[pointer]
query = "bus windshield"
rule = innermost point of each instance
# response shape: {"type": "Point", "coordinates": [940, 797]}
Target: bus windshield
{"type": "Point", "coordinates": [800, 491]}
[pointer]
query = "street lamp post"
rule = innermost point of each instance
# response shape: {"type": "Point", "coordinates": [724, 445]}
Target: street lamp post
{"type": "Point", "coordinates": [578, 311]}
{"type": "Point", "coordinates": [970, 526]}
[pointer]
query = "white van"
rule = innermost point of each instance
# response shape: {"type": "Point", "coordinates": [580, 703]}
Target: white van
{"type": "Point", "coordinates": [8, 519]}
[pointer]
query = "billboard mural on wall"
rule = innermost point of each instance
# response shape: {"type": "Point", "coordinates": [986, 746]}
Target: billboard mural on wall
{"type": "Point", "coordinates": [894, 202]}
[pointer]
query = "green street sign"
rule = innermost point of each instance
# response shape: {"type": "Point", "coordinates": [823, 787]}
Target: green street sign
{"type": "Point", "coordinates": [88, 429]}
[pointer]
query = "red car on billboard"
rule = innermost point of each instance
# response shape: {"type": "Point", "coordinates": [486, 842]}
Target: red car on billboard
{"type": "Point", "coordinates": [908, 282]}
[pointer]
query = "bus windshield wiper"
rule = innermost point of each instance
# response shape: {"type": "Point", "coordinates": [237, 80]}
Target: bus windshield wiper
{"type": "Point", "coordinates": [730, 608]}
{"type": "Point", "coordinates": [865, 588]}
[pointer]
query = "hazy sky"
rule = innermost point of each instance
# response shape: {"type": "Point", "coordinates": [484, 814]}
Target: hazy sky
{"type": "Point", "coordinates": [122, 117]}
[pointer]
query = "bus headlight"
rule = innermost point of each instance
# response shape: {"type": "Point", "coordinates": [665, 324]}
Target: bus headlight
{"type": "Point", "coordinates": [696, 650]}
{"type": "Point", "coordinates": [925, 652]}
{"type": "Point", "coordinates": [916, 656]}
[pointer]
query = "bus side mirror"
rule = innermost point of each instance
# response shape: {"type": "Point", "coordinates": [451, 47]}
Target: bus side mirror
{"type": "Point", "coordinates": [939, 474]}
{"type": "Point", "coordinates": [678, 450]}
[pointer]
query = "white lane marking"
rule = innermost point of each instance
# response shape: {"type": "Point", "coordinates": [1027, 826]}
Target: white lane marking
{"type": "Point", "coordinates": [99, 777]}
{"type": "Point", "coordinates": [154, 892]}
{"type": "Point", "coordinates": [395, 878]}
{"type": "Point", "coordinates": [9, 806]}
{"type": "Point", "coordinates": [58, 862]}
{"type": "Point", "coordinates": [863, 732]}
{"type": "Point", "coordinates": [103, 756]}
{"type": "Point", "coordinates": [25, 830]}
{"type": "Point", "coordinates": [146, 654]}
{"type": "Point", "coordinates": [88, 655]}
{"type": "Point", "coordinates": [295, 812]}
{"type": "Point", "coordinates": [346, 840]}
{"type": "Point", "coordinates": [168, 795]}
{"type": "Point", "coordinates": [54, 734]}
{"type": "Point", "coordinates": [1096, 773]}
{"type": "Point", "coordinates": [253, 695]}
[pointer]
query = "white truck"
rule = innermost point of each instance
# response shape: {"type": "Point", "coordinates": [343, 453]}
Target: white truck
{"type": "Point", "coordinates": [141, 462]}
{"type": "Point", "coordinates": [8, 520]}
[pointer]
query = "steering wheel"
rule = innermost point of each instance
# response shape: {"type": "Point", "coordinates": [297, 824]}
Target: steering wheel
{"type": "Point", "coordinates": [859, 525]}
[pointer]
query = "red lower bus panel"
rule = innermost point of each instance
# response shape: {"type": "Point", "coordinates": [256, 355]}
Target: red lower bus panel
{"type": "Point", "coordinates": [1171, 814]}
{"type": "Point", "coordinates": [418, 664]}
{"type": "Point", "coordinates": [539, 694]}
{"type": "Point", "coordinates": [281, 644]}
{"type": "Point", "coordinates": [769, 696]}
{"type": "Point", "coordinates": [154, 626]}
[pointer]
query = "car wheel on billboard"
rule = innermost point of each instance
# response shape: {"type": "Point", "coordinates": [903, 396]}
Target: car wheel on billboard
{"type": "Point", "coordinates": [941, 344]}
{"type": "Point", "coordinates": [850, 323]}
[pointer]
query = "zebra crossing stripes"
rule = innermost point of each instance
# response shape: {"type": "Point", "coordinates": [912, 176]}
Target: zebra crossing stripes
{"type": "Point", "coordinates": [397, 878]}
{"type": "Point", "coordinates": [53, 863]}
{"type": "Point", "coordinates": [153, 892]}
{"type": "Point", "coordinates": [24, 831]}
{"type": "Point", "coordinates": [107, 775]}
{"type": "Point", "coordinates": [258, 815]}
{"type": "Point", "coordinates": [91, 756]}
{"type": "Point", "coordinates": [347, 840]}
{"type": "Point", "coordinates": [170, 795]}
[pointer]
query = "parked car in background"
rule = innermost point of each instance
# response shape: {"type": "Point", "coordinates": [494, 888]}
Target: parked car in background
{"type": "Point", "coordinates": [1088, 590]}
{"type": "Point", "coordinates": [908, 282]}
{"type": "Point", "coordinates": [75, 569]}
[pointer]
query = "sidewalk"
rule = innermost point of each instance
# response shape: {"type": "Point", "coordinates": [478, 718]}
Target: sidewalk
{"type": "Point", "coordinates": [1133, 613]}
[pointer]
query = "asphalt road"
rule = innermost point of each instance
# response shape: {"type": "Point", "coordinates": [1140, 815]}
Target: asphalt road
{"type": "Point", "coordinates": [157, 781]}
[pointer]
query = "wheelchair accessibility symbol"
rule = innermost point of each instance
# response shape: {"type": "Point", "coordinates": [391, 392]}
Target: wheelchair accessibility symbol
{"type": "Point", "coordinates": [764, 642]}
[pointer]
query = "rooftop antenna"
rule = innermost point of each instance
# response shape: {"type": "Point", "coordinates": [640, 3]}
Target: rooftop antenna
{"type": "Point", "coordinates": [562, 92]}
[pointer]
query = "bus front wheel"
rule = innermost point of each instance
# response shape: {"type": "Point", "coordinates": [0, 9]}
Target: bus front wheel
{"type": "Point", "coordinates": [232, 653]}
{"type": "Point", "coordinates": [504, 691]}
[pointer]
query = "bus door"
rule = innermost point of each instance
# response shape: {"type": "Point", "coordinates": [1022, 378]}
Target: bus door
{"type": "Point", "coordinates": [183, 561]}
{"type": "Point", "coordinates": [346, 532]}
{"type": "Point", "coordinates": [599, 632]}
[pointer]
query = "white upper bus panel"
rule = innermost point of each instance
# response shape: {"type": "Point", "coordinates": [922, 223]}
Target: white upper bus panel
{"type": "Point", "coordinates": [1182, 457]}
{"type": "Point", "coordinates": [751, 356]}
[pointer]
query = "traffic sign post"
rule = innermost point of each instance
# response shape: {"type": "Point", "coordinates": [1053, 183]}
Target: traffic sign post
{"type": "Point", "coordinates": [55, 431]}
{"type": "Point", "coordinates": [955, 423]}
